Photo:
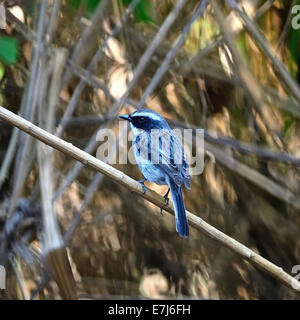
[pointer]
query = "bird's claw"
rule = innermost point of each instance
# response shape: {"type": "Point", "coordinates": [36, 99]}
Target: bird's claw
{"type": "Point", "coordinates": [142, 182]}
{"type": "Point", "coordinates": [167, 202]}
{"type": "Point", "coordinates": [143, 185]}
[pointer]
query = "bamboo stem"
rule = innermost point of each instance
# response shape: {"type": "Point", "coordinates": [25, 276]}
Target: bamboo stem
{"type": "Point", "coordinates": [153, 197]}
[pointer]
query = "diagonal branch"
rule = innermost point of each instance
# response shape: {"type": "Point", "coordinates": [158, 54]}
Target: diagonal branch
{"type": "Point", "coordinates": [264, 44]}
{"type": "Point", "coordinates": [30, 102]}
{"type": "Point", "coordinates": [171, 54]}
{"type": "Point", "coordinates": [246, 77]}
{"type": "Point", "coordinates": [81, 85]}
{"type": "Point", "coordinates": [153, 197]}
{"type": "Point", "coordinates": [137, 73]}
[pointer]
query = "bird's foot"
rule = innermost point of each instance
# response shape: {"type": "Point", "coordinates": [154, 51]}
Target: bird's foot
{"type": "Point", "coordinates": [142, 182]}
{"type": "Point", "coordinates": [167, 201]}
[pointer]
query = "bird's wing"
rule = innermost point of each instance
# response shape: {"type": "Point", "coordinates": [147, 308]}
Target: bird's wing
{"type": "Point", "coordinates": [165, 150]}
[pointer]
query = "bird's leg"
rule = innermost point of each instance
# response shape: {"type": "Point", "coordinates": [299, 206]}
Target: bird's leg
{"type": "Point", "coordinates": [167, 201]}
{"type": "Point", "coordinates": [142, 182]}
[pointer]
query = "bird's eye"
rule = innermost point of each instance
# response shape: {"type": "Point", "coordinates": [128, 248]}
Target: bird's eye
{"type": "Point", "coordinates": [142, 119]}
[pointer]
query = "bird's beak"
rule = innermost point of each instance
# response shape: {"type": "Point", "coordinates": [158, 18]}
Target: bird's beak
{"type": "Point", "coordinates": [126, 117]}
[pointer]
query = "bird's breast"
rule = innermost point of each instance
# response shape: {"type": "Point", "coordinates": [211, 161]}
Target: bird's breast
{"type": "Point", "coordinates": [152, 172]}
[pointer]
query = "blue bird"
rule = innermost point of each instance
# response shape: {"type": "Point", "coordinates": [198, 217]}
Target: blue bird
{"type": "Point", "coordinates": [160, 157]}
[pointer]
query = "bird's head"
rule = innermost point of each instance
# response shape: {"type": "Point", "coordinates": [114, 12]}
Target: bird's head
{"type": "Point", "coordinates": [146, 119]}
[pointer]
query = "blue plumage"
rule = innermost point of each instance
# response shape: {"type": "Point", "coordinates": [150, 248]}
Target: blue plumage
{"type": "Point", "coordinates": [160, 157]}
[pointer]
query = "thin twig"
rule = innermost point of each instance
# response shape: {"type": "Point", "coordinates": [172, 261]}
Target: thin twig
{"type": "Point", "coordinates": [138, 72]}
{"type": "Point", "coordinates": [54, 251]}
{"type": "Point", "coordinates": [163, 68]}
{"type": "Point", "coordinates": [94, 185]}
{"type": "Point", "coordinates": [9, 156]}
{"type": "Point", "coordinates": [21, 167]}
{"type": "Point", "coordinates": [19, 274]}
{"type": "Point", "coordinates": [79, 88]}
{"type": "Point", "coordinates": [52, 21]}
{"type": "Point", "coordinates": [86, 37]}
{"type": "Point", "coordinates": [187, 66]}
{"type": "Point", "coordinates": [20, 26]}
{"type": "Point", "coordinates": [264, 44]}
{"type": "Point", "coordinates": [255, 177]}
{"type": "Point", "coordinates": [286, 28]}
{"type": "Point", "coordinates": [249, 82]}
{"type": "Point", "coordinates": [242, 147]}
{"type": "Point", "coordinates": [153, 197]}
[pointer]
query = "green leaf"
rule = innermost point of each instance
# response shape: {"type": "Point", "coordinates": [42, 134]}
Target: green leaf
{"type": "Point", "coordinates": [9, 50]}
{"type": "Point", "coordinates": [293, 43]}
{"type": "Point", "coordinates": [91, 5]}
{"type": "Point", "coordinates": [74, 4]}
{"type": "Point", "coordinates": [242, 45]}
{"type": "Point", "coordinates": [289, 121]}
{"type": "Point", "coordinates": [88, 5]}
{"type": "Point", "coordinates": [143, 11]}
{"type": "Point", "coordinates": [2, 71]}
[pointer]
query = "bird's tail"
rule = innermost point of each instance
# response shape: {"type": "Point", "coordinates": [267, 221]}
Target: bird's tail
{"type": "Point", "coordinates": [180, 216]}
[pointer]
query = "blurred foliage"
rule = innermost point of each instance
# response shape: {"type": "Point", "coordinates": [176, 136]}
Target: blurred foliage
{"type": "Point", "coordinates": [201, 34]}
{"type": "Point", "coordinates": [89, 5]}
{"type": "Point", "coordinates": [2, 71]}
{"type": "Point", "coordinates": [143, 11]}
{"type": "Point", "coordinates": [123, 246]}
{"type": "Point", "coordinates": [294, 47]}
{"type": "Point", "coordinates": [242, 45]}
{"type": "Point", "coordinates": [9, 50]}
